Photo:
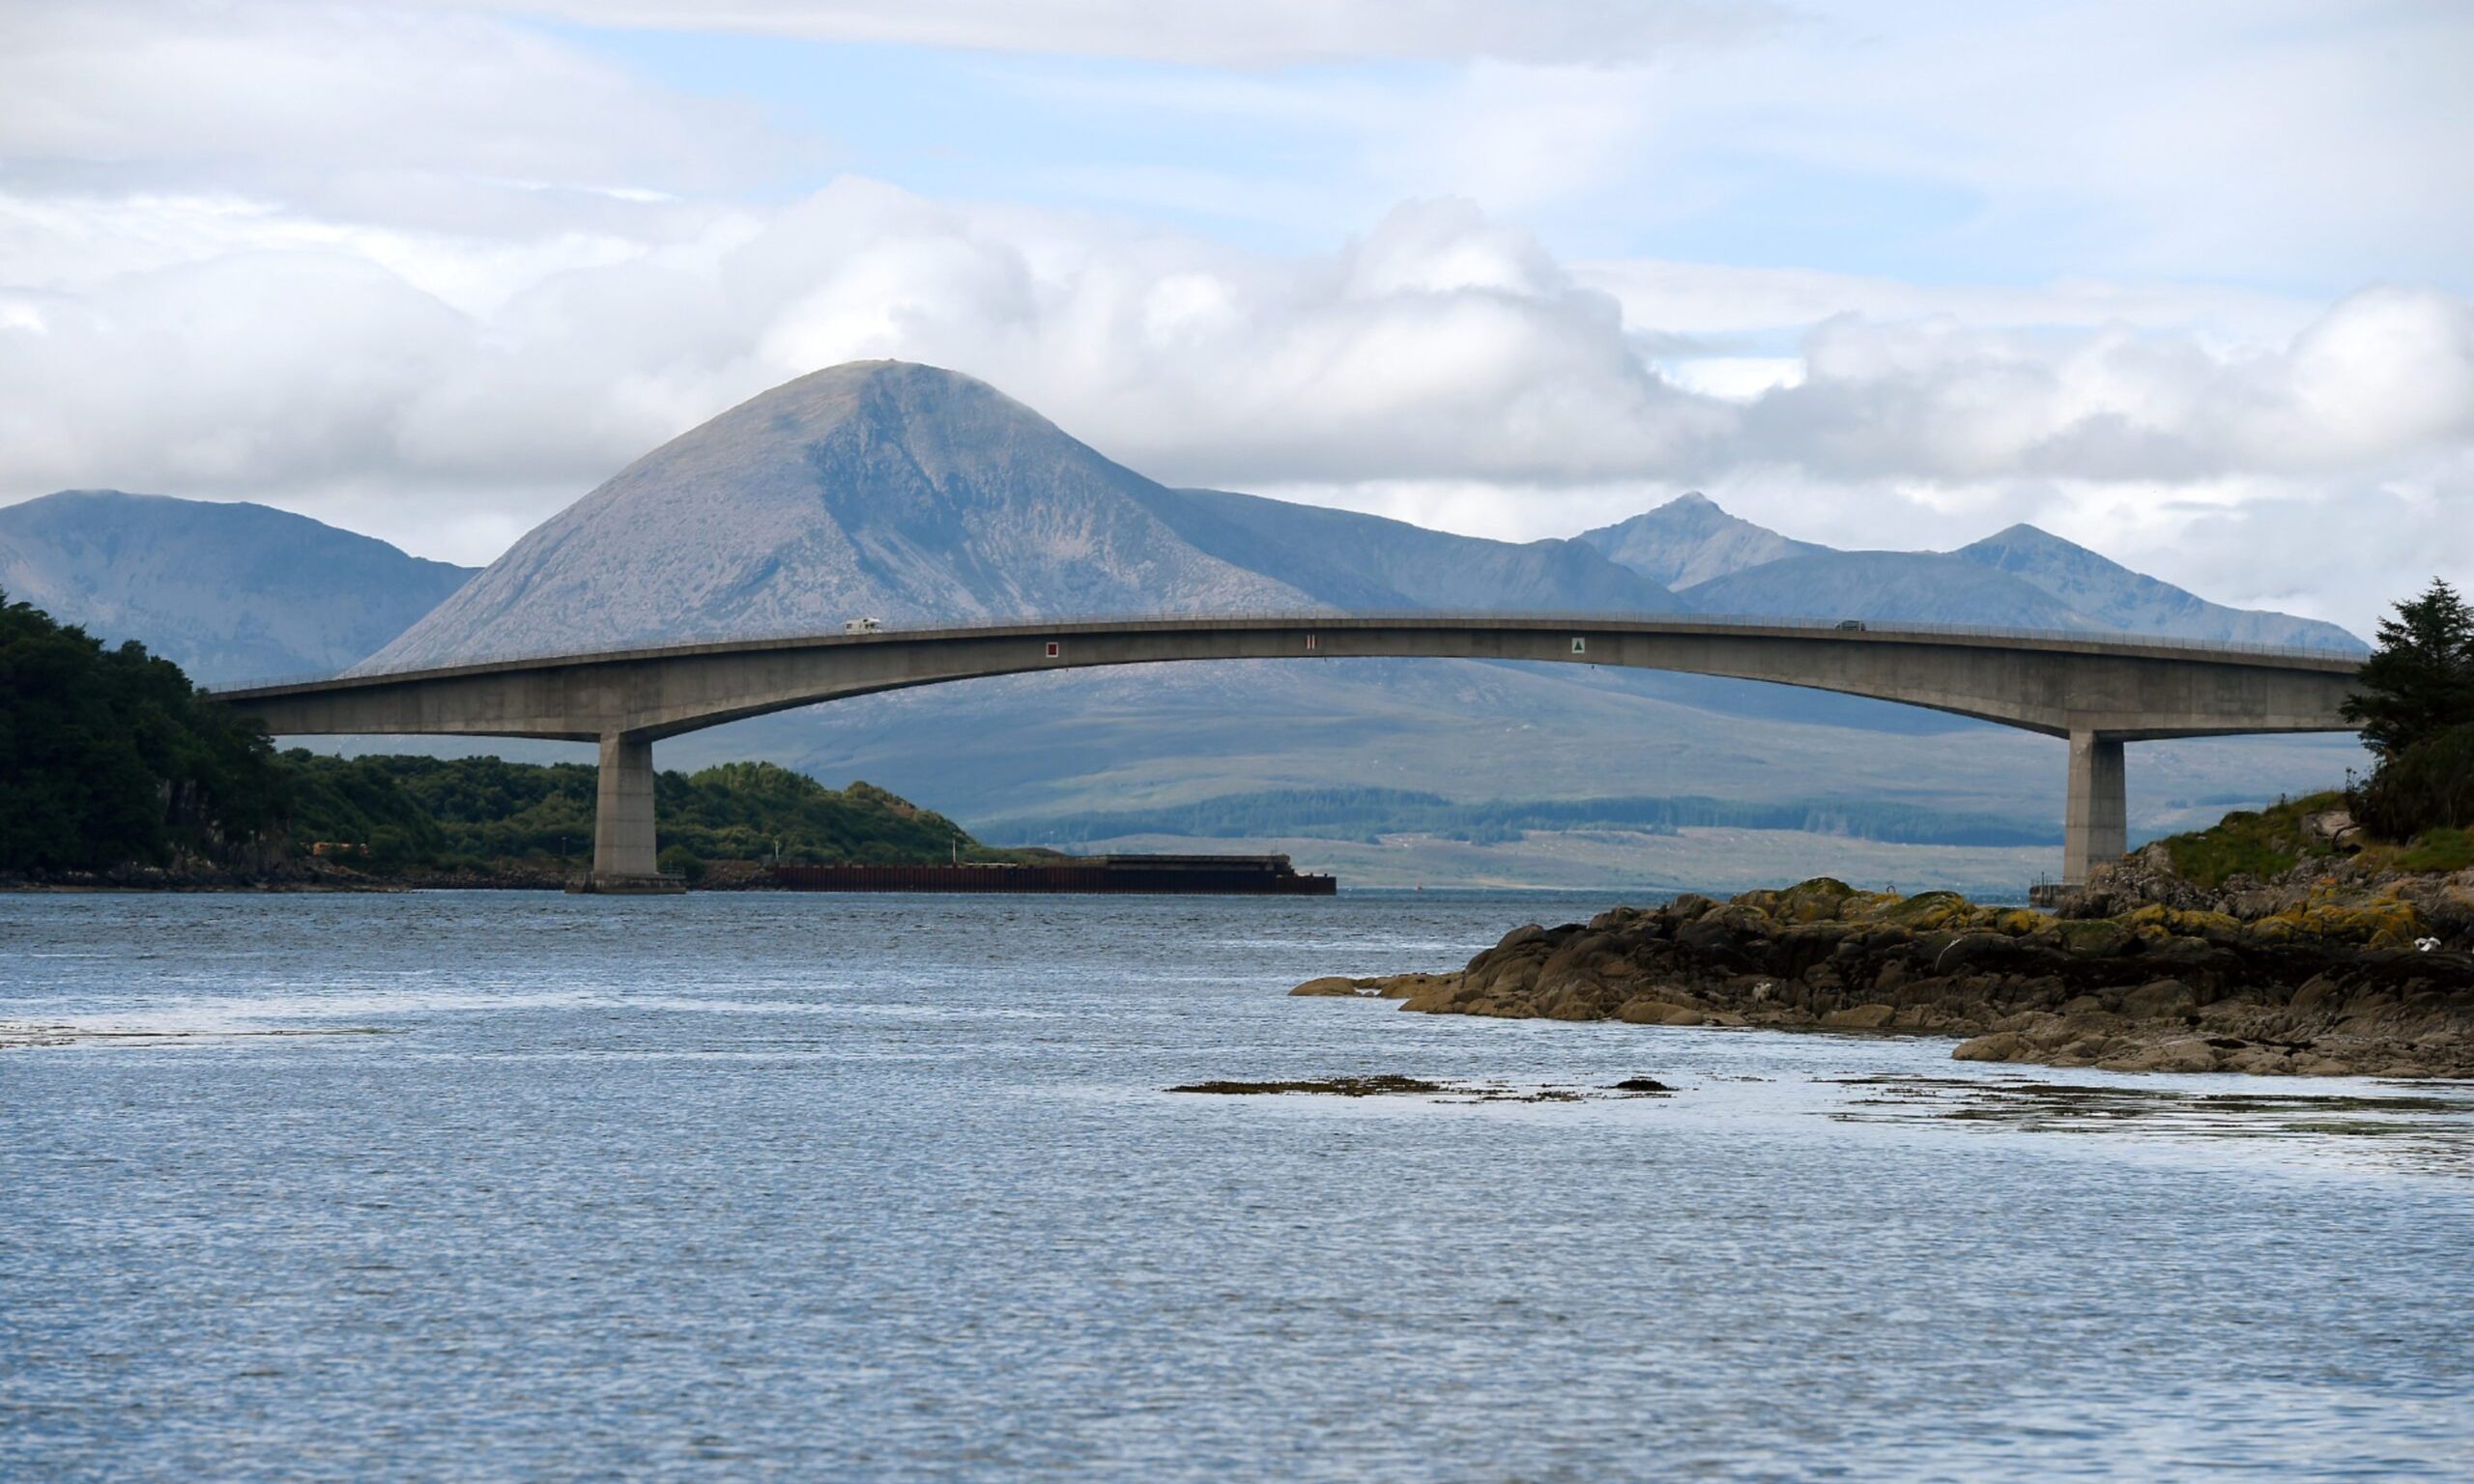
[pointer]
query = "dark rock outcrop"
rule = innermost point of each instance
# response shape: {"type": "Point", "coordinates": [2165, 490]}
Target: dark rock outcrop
{"type": "Point", "coordinates": [2325, 983]}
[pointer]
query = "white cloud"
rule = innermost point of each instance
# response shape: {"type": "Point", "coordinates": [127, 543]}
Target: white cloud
{"type": "Point", "coordinates": [1726, 303]}
{"type": "Point", "coordinates": [2271, 142]}
{"type": "Point", "coordinates": [2385, 369]}
{"type": "Point", "coordinates": [1442, 365]}
{"type": "Point", "coordinates": [2236, 140]}
{"type": "Point", "coordinates": [434, 275]}
{"type": "Point", "coordinates": [2383, 375]}
{"type": "Point", "coordinates": [1229, 33]}
{"type": "Point", "coordinates": [389, 118]}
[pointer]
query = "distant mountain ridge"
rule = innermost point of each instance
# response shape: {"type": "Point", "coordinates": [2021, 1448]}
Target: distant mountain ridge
{"type": "Point", "coordinates": [228, 591]}
{"type": "Point", "coordinates": [2020, 578]}
{"type": "Point", "coordinates": [1351, 560]}
{"type": "Point", "coordinates": [2111, 596]}
{"type": "Point", "coordinates": [1885, 587]}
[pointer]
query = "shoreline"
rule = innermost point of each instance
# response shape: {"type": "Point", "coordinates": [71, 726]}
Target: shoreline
{"type": "Point", "coordinates": [273, 887]}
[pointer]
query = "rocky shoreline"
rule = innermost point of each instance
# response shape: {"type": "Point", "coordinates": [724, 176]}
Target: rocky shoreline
{"type": "Point", "coordinates": [2314, 975]}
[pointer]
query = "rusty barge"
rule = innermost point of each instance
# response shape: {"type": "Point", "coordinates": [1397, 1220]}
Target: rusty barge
{"type": "Point", "coordinates": [1220, 875]}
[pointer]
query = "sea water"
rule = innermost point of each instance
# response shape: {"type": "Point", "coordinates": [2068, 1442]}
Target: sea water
{"type": "Point", "coordinates": [512, 1186]}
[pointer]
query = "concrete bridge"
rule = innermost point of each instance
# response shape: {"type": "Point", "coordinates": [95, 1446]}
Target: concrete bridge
{"type": "Point", "coordinates": [2098, 692]}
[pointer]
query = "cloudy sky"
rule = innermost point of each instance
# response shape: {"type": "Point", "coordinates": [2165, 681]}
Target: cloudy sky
{"type": "Point", "coordinates": [2192, 283]}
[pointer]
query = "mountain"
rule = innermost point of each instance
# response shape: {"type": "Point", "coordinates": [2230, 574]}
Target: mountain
{"type": "Point", "coordinates": [2111, 596]}
{"type": "Point", "coordinates": [1917, 586]}
{"type": "Point", "coordinates": [227, 591]}
{"type": "Point", "coordinates": [877, 488]}
{"type": "Point", "coordinates": [1689, 541]}
{"type": "Point", "coordinates": [1368, 562]}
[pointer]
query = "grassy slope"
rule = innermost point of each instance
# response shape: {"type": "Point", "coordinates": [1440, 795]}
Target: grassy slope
{"type": "Point", "coordinates": [422, 812]}
{"type": "Point", "coordinates": [2269, 842]}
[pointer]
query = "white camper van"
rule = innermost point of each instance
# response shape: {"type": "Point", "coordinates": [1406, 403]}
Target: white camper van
{"type": "Point", "coordinates": [862, 626]}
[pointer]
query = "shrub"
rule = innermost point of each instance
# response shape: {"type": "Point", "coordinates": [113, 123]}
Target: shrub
{"type": "Point", "coordinates": [2428, 786]}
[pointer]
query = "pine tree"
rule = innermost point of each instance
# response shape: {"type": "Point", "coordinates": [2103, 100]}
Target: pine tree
{"type": "Point", "coordinates": [2420, 681]}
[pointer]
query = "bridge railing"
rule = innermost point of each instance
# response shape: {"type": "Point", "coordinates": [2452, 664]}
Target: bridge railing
{"type": "Point", "coordinates": [1682, 622]}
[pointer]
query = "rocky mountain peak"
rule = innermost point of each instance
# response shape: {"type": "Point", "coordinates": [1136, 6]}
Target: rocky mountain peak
{"type": "Point", "coordinates": [2023, 543]}
{"type": "Point", "coordinates": [880, 487]}
{"type": "Point", "coordinates": [1691, 539]}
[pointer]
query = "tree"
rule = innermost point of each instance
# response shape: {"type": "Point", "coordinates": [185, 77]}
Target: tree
{"type": "Point", "coordinates": [110, 757]}
{"type": "Point", "coordinates": [2420, 681]}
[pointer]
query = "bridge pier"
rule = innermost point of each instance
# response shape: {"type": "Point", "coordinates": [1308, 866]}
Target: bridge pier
{"type": "Point", "coordinates": [2096, 815]}
{"type": "Point", "coordinates": [624, 854]}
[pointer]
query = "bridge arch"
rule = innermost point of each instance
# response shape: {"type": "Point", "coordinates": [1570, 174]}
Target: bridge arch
{"type": "Point", "coordinates": [2098, 692]}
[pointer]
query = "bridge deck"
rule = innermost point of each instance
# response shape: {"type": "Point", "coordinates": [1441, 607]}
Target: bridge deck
{"type": "Point", "coordinates": [2053, 641]}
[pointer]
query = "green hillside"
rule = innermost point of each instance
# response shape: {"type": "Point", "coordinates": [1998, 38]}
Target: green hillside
{"type": "Point", "coordinates": [413, 811]}
{"type": "Point", "coordinates": [110, 759]}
